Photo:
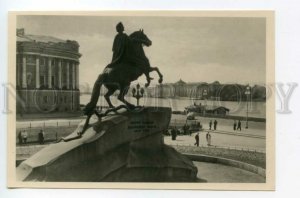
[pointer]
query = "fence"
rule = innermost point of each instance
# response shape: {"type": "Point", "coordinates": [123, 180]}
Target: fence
{"type": "Point", "coordinates": [45, 124]}
{"type": "Point", "coordinates": [53, 131]}
{"type": "Point", "coordinates": [250, 157]}
{"type": "Point", "coordinates": [182, 122]}
{"type": "Point", "coordinates": [177, 123]}
{"type": "Point", "coordinates": [236, 148]}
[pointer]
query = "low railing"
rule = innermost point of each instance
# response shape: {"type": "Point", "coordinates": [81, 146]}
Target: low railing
{"type": "Point", "coordinates": [53, 131]}
{"type": "Point", "coordinates": [237, 148]}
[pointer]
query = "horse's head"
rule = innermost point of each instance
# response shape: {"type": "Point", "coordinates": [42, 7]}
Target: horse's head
{"type": "Point", "coordinates": [140, 37]}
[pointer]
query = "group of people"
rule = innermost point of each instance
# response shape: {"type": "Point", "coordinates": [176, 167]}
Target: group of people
{"type": "Point", "coordinates": [208, 139]}
{"type": "Point", "coordinates": [208, 135]}
{"type": "Point", "coordinates": [23, 135]}
{"type": "Point", "coordinates": [237, 125]}
{"type": "Point", "coordinates": [215, 124]}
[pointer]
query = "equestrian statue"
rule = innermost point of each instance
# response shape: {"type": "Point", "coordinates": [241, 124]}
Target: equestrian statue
{"type": "Point", "coordinates": [129, 62]}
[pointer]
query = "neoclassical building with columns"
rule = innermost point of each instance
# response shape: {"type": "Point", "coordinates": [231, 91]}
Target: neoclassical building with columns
{"type": "Point", "coordinates": [47, 74]}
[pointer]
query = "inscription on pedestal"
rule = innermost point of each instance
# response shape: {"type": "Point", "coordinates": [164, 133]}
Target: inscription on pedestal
{"type": "Point", "coordinates": [142, 126]}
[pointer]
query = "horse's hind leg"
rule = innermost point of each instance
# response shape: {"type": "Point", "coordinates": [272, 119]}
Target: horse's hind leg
{"type": "Point", "coordinates": [90, 107]}
{"type": "Point", "coordinates": [107, 96]}
{"type": "Point", "coordinates": [85, 126]}
{"type": "Point", "coordinates": [123, 92]}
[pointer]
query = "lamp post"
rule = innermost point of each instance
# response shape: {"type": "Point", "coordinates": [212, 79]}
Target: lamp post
{"type": "Point", "coordinates": [247, 92]}
{"type": "Point", "coordinates": [138, 93]}
{"type": "Point", "coordinates": [204, 96]}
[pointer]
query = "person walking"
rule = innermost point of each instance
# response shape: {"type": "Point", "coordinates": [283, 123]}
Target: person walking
{"type": "Point", "coordinates": [197, 140]}
{"type": "Point", "coordinates": [208, 139]}
{"type": "Point", "coordinates": [20, 137]}
{"type": "Point", "coordinates": [239, 125]}
{"type": "Point", "coordinates": [210, 124]}
{"type": "Point", "coordinates": [41, 137]}
{"type": "Point", "coordinates": [215, 124]}
{"type": "Point", "coordinates": [173, 133]}
{"type": "Point", "coordinates": [24, 136]}
{"type": "Point", "coordinates": [234, 125]}
{"type": "Point", "coordinates": [188, 130]}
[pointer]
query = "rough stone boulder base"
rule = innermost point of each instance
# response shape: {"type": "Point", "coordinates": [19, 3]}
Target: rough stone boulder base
{"type": "Point", "coordinates": [127, 147]}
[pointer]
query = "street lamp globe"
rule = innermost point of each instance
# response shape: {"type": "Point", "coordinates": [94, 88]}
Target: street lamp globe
{"type": "Point", "coordinates": [133, 91]}
{"type": "Point", "coordinates": [138, 93]}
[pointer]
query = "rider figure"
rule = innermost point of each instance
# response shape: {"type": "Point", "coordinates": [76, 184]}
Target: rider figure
{"type": "Point", "coordinates": [119, 46]}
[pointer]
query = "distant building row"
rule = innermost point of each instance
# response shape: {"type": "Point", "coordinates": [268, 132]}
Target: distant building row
{"type": "Point", "coordinates": [215, 90]}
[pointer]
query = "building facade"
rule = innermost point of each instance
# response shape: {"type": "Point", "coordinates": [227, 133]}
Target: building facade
{"type": "Point", "coordinates": [183, 89]}
{"type": "Point", "coordinates": [47, 74]}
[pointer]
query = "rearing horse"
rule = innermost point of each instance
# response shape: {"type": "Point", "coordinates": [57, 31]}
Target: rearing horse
{"type": "Point", "coordinates": [133, 65]}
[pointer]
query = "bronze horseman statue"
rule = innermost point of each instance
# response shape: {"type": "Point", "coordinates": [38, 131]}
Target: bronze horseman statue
{"type": "Point", "coordinates": [128, 63]}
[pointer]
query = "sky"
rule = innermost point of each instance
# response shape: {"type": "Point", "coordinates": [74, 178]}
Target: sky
{"type": "Point", "coordinates": [194, 49]}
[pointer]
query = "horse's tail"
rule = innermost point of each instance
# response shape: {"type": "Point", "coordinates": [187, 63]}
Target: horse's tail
{"type": "Point", "coordinates": [90, 108]}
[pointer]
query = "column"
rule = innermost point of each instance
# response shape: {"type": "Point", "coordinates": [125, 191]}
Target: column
{"type": "Point", "coordinates": [24, 75]}
{"type": "Point", "coordinates": [68, 75]}
{"type": "Point", "coordinates": [73, 75]}
{"type": "Point", "coordinates": [72, 100]}
{"type": "Point", "coordinates": [37, 72]}
{"type": "Point", "coordinates": [59, 74]}
{"type": "Point", "coordinates": [49, 74]}
{"type": "Point", "coordinates": [77, 76]}
{"type": "Point", "coordinates": [18, 76]}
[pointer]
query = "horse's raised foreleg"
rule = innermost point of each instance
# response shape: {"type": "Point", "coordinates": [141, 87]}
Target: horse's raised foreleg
{"type": "Point", "coordinates": [160, 80]}
{"type": "Point", "coordinates": [148, 78]}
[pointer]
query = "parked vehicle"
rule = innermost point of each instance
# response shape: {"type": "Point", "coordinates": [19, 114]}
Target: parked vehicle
{"type": "Point", "coordinates": [207, 110]}
{"type": "Point", "coordinates": [190, 116]}
{"type": "Point", "coordinates": [194, 125]}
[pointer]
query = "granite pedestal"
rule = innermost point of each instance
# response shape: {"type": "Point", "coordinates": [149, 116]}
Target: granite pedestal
{"type": "Point", "coordinates": [123, 147]}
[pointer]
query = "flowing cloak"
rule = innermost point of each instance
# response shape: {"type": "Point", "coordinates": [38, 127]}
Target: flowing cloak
{"type": "Point", "coordinates": [123, 52]}
{"type": "Point", "coordinates": [119, 48]}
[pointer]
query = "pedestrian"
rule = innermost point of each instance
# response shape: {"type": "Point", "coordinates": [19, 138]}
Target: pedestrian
{"type": "Point", "coordinates": [234, 125]}
{"type": "Point", "coordinates": [210, 124]}
{"type": "Point", "coordinates": [239, 125]}
{"type": "Point", "coordinates": [24, 136]}
{"type": "Point", "coordinates": [197, 140]}
{"type": "Point", "coordinates": [177, 131]}
{"type": "Point", "coordinates": [215, 124]}
{"type": "Point", "coordinates": [41, 137]}
{"type": "Point", "coordinates": [20, 137]}
{"type": "Point", "coordinates": [208, 138]}
{"type": "Point", "coordinates": [173, 134]}
{"type": "Point", "coordinates": [185, 129]}
{"type": "Point", "coordinates": [188, 129]}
